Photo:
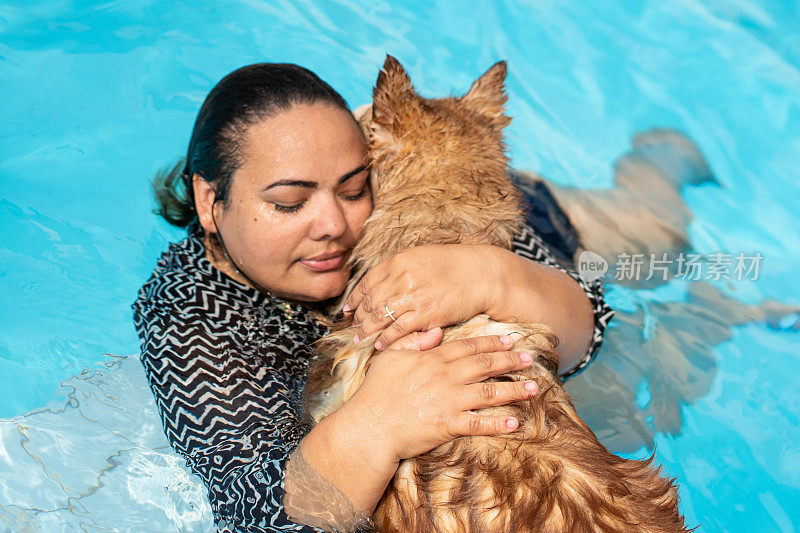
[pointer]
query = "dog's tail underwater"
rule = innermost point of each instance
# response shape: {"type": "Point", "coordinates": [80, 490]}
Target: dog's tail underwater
{"type": "Point", "coordinates": [644, 213]}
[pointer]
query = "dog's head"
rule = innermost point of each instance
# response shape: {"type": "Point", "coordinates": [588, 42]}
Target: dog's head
{"type": "Point", "coordinates": [429, 141]}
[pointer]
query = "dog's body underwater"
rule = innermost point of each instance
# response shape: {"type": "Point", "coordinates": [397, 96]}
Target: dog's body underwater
{"type": "Point", "coordinates": [439, 177]}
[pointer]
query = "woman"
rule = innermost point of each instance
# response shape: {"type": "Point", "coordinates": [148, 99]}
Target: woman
{"type": "Point", "coordinates": [274, 194]}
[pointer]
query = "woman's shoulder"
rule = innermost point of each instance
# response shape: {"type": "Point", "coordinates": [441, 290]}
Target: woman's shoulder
{"type": "Point", "coordinates": [186, 284]}
{"type": "Point", "coordinates": [175, 276]}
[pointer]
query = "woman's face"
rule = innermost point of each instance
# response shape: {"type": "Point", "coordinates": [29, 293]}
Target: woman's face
{"type": "Point", "coordinates": [298, 202]}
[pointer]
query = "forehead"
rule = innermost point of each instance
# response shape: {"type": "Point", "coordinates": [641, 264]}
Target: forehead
{"type": "Point", "coordinates": [307, 141]}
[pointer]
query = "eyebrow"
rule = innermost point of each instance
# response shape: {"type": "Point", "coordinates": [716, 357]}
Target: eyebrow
{"type": "Point", "coordinates": [313, 184]}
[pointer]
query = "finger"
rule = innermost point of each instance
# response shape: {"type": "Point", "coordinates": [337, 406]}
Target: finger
{"type": "Point", "coordinates": [362, 288]}
{"type": "Point", "coordinates": [363, 310]}
{"type": "Point", "coordinates": [470, 423]}
{"type": "Point", "coordinates": [382, 316]}
{"type": "Point", "coordinates": [404, 325]}
{"type": "Point", "coordinates": [457, 349]}
{"type": "Point", "coordinates": [373, 302]}
{"type": "Point", "coordinates": [419, 340]}
{"type": "Point", "coordinates": [493, 393]}
{"type": "Point", "coordinates": [479, 367]}
{"type": "Point", "coordinates": [356, 296]}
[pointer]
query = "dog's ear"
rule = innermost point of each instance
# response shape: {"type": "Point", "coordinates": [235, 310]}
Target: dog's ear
{"type": "Point", "coordinates": [392, 89]}
{"type": "Point", "coordinates": [487, 95]}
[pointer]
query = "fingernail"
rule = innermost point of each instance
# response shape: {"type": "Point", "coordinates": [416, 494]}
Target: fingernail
{"type": "Point", "coordinates": [525, 357]}
{"type": "Point", "coordinates": [356, 339]}
{"type": "Point", "coordinates": [379, 345]}
{"type": "Point", "coordinates": [346, 308]}
{"type": "Point", "coordinates": [507, 341]}
{"type": "Point", "coordinates": [531, 386]}
{"type": "Point", "coordinates": [511, 423]}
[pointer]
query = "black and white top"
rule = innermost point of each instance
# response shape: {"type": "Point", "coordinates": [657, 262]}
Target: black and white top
{"type": "Point", "coordinates": [227, 365]}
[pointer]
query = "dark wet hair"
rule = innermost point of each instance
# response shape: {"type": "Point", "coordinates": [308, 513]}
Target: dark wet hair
{"type": "Point", "coordinates": [242, 98]}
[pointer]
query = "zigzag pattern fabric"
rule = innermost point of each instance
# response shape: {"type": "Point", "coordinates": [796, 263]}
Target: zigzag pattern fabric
{"type": "Point", "coordinates": [528, 244]}
{"type": "Point", "coordinates": [227, 364]}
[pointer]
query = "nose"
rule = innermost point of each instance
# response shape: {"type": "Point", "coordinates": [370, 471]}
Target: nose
{"type": "Point", "coordinates": [330, 221]}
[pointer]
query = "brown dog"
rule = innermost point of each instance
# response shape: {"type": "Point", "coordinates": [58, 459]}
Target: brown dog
{"type": "Point", "coordinates": [439, 177]}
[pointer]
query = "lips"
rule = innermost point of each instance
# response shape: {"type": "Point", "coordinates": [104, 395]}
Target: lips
{"type": "Point", "coordinates": [324, 262]}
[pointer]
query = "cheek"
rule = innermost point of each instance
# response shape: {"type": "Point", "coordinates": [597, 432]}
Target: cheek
{"type": "Point", "coordinates": [359, 216]}
{"type": "Point", "coordinates": [274, 237]}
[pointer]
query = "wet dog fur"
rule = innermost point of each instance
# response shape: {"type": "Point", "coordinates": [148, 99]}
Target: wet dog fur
{"type": "Point", "coordinates": [439, 177]}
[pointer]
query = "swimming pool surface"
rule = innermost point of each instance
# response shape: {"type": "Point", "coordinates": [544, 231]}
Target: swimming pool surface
{"type": "Point", "coordinates": [96, 96]}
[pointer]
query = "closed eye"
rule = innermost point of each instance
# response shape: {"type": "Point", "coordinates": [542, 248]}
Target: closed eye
{"type": "Point", "coordinates": [288, 208]}
{"type": "Point", "coordinates": [293, 208]}
{"type": "Point", "coordinates": [354, 197]}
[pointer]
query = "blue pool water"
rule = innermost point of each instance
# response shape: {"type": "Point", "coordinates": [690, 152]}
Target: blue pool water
{"type": "Point", "coordinates": [96, 96]}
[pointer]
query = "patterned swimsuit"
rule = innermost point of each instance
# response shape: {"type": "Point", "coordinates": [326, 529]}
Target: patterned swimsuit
{"type": "Point", "coordinates": [227, 365]}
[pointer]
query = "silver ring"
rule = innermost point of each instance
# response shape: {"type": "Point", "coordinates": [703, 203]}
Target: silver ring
{"type": "Point", "coordinates": [389, 314]}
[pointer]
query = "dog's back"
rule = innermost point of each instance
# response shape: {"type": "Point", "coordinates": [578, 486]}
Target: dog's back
{"type": "Point", "coordinates": [551, 475]}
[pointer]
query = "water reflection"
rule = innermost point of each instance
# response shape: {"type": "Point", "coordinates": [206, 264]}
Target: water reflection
{"type": "Point", "coordinates": [658, 355]}
{"type": "Point", "coordinates": [656, 359]}
{"type": "Point", "coordinates": [97, 458]}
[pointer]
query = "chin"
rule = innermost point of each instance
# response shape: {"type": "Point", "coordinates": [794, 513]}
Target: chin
{"type": "Point", "coordinates": [324, 287]}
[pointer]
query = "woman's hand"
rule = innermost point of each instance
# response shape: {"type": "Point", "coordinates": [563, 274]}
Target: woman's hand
{"type": "Point", "coordinates": [425, 287]}
{"type": "Point", "coordinates": [439, 285]}
{"type": "Point", "coordinates": [412, 401]}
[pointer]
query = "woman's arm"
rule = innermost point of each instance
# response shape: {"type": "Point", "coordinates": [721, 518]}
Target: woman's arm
{"type": "Point", "coordinates": [410, 402]}
{"type": "Point", "coordinates": [235, 424]}
{"type": "Point", "coordinates": [351, 459]}
{"type": "Point", "coordinates": [350, 451]}
{"type": "Point", "coordinates": [528, 244]}
{"type": "Point", "coordinates": [536, 292]}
